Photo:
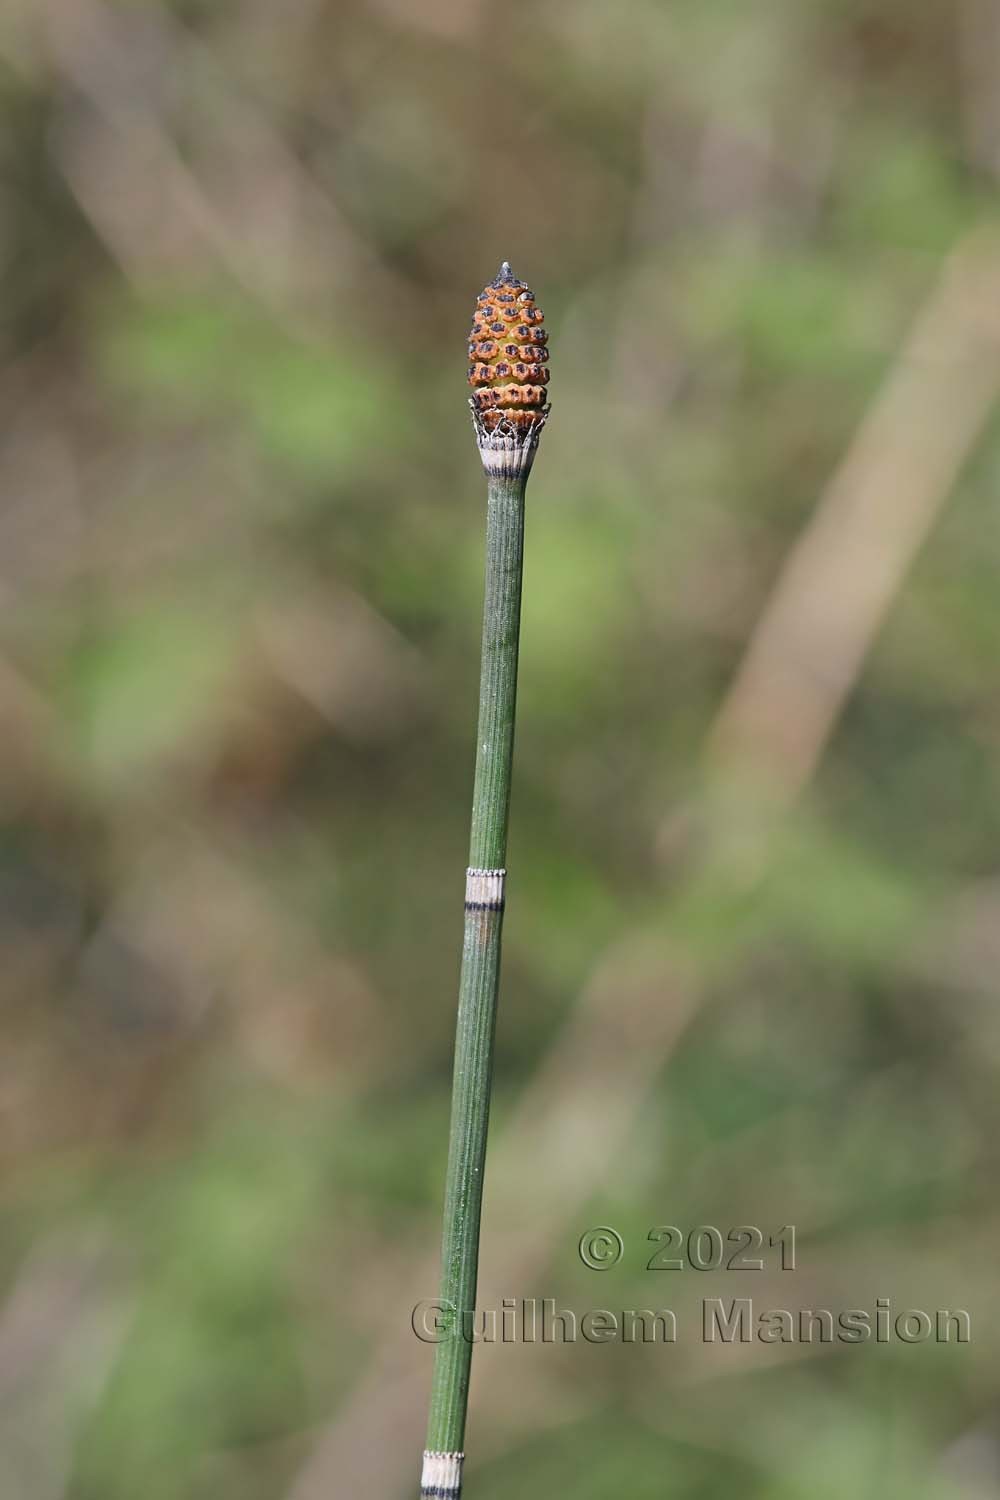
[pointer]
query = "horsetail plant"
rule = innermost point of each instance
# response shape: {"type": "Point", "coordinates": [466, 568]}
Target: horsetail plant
{"type": "Point", "coordinates": [508, 376]}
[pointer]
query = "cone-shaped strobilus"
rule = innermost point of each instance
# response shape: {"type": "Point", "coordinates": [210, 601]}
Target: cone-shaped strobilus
{"type": "Point", "coordinates": [508, 375]}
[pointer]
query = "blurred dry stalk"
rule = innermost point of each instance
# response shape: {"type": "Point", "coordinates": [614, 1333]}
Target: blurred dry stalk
{"type": "Point", "coordinates": [247, 202]}
{"type": "Point", "coordinates": [846, 568]}
{"type": "Point", "coordinates": [62, 1325]}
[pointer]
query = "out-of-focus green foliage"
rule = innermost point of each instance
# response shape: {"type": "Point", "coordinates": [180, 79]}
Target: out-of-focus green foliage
{"type": "Point", "coordinates": [240, 562]}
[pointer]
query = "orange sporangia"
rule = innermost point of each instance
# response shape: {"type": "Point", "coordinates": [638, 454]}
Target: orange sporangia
{"type": "Point", "coordinates": [507, 347]}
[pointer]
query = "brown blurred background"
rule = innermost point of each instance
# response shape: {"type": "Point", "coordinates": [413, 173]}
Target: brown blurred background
{"type": "Point", "coordinates": [753, 937]}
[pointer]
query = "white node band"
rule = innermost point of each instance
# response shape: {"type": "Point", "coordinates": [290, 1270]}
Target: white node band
{"type": "Point", "coordinates": [442, 1475]}
{"type": "Point", "coordinates": [484, 889]}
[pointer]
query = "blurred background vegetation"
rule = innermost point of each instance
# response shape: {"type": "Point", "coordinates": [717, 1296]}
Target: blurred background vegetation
{"type": "Point", "coordinates": [754, 935]}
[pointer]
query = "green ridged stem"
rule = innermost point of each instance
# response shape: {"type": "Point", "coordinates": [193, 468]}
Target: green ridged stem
{"type": "Point", "coordinates": [477, 1001]}
{"type": "Point", "coordinates": [498, 672]}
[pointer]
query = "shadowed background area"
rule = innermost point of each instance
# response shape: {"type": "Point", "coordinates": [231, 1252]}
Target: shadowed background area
{"type": "Point", "coordinates": [753, 929]}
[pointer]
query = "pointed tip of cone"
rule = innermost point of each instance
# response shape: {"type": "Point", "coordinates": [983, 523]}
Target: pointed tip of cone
{"type": "Point", "coordinates": [505, 276]}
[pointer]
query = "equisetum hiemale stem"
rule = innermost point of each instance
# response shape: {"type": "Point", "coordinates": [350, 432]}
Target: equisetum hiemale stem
{"type": "Point", "coordinates": [509, 411]}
